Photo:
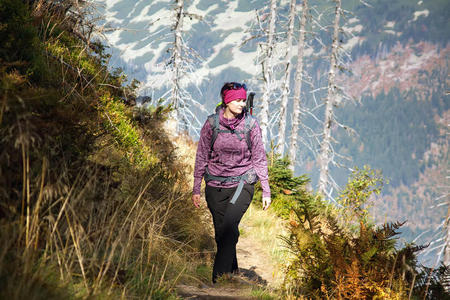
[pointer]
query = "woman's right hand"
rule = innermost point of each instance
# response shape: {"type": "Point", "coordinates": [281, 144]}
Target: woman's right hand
{"type": "Point", "coordinates": [196, 200]}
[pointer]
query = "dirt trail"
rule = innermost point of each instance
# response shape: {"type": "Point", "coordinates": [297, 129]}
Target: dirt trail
{"type": "Point", "coordinates": [253, 258]}
{"type": "Point", "coordinates": [256, 271]}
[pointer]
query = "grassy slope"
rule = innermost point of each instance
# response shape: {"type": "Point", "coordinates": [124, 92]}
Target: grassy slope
{"type": "Point", "coordinates": [93, 199]}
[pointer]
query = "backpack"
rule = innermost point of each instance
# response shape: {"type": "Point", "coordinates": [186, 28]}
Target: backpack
{"type": "Point", "coordinates": [250, 122]}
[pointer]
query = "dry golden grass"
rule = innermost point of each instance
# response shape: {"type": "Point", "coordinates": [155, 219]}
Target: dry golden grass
{"type": "Point", "coordinates": [263, 228]}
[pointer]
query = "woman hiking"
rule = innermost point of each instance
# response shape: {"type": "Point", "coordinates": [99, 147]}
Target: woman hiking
{"type": "Point", "coordinates": [231, 158]}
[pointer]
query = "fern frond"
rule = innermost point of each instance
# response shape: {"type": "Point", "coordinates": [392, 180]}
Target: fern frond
{"type": "Point", "coordinates": [388, 230]}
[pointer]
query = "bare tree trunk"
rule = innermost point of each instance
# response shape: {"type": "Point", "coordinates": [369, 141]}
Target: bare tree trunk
{"type": "Point", "coordinates": [298, 85]}
{"type": "Point", "coordinates": [287, 79]}
{"type": "Point", "coordinates": [447, 237]}
{"type": "Point", "coordinates": [176, 67]}
{"type": "Point", "coordinates": [446, 277]}
{"type": "Point", "coordinates": [267, 66]}
{"type": "Point", "coordinates": [325, 148]}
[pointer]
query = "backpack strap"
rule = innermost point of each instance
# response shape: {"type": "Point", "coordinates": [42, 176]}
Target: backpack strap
{"type": "Point", "coordinates": [250, 123]}
{"type": "Point", "coordinates": [214, 123]}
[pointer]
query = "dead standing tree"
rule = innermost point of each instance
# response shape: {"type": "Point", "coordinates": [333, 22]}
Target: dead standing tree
{"type": "Point", "coordinates": [267, 64]}
{"type": "Point", "coordinates": [287, 78]}
{"type": "Point", "coordinates": [176, 58]}
{"type": "Point", "coordinates": [439, 240]}
{"type": "Point", "coordinates": [298, 85]}
{"type": "Point", "coordinates": [447, 237]}
{"type": "Point", "coordinates": [325, 147]}
{"type": "Point", "coordinates": [178, 67]}
{"type": "Point", "coordinates": [446, 280]}
{"type": "Point", "coordinates": [334, 96]}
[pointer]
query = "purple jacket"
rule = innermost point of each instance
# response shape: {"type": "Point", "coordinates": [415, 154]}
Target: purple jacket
{"type": "Point", "coordinates": [230, 156]}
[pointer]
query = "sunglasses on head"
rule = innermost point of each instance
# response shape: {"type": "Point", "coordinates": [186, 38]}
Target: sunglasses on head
{"type": "Point", "coordinates": [237, 86]}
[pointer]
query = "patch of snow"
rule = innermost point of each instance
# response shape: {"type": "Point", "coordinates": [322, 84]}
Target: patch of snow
{"type": "Point", "coordinates": [390, 31]}
{"type": "Point", "coordinates": [353, 20]}
{"type": "Point", "coordinates": [113, 37]}
{"type": "Point", "coordinates": [143, 14]}
{"type": "Point", "coordinates": [245, 60]}
{"type": "Point", "coordinates": [310, 51]}
{"type": "Point", "coordinates": [413, 63]}
{"type": "Point", "coordinates": [108, 3]}
{"type": "Point", "coordinates": [192, 9]}
{"type": "Point", "coordinates": [231, 20]}
{"type": "Point", "coordinates": [390, 24]}
{"type": "Point", "coordinates": [375, 84]}
{"type": "Point", "coordinates": [128, 51]}
{"type": "Point", "coordinates": [417, 14]}
{"type": "Point", "coordinates": [352, 43]}
{"type": "Point", "coordinates": [108, 15]}
{"type": "Point", "coordinates": [383, 66]}
{"type": "Point", "coordinates": [356, 28]}
{"type": "Point", "coordinates": [163, 16]}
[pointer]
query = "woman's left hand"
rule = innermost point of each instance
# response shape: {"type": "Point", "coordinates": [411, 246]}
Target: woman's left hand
{"type": "Point", "coordinates": [266, 202]}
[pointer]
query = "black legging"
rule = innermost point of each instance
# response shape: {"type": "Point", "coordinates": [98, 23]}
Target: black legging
{"type": "Point", "coordinates": [226, 218]}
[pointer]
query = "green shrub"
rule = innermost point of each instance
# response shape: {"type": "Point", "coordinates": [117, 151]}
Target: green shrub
{"type": "Point", "coordinates": [339, 253]}
{"type": "Point", "coordinates": [127, 135]}
{"type": "Point", "coordinates": [287, 191]}
{"type": "Point", "coordinates": [20, 46]}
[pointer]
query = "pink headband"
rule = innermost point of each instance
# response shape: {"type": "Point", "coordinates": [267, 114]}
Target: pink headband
{"type": "Point", "coordinates": [231, 95]}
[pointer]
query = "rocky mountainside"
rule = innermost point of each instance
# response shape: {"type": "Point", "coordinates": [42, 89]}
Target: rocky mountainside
{"type": "Point", "coordinates": [398, 72]}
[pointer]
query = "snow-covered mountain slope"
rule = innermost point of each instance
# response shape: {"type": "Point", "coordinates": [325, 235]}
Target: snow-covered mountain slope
{"type": "Point", "coordinates": [143, 35]}
{"type": "Point", "coordinates": [215, 31]}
